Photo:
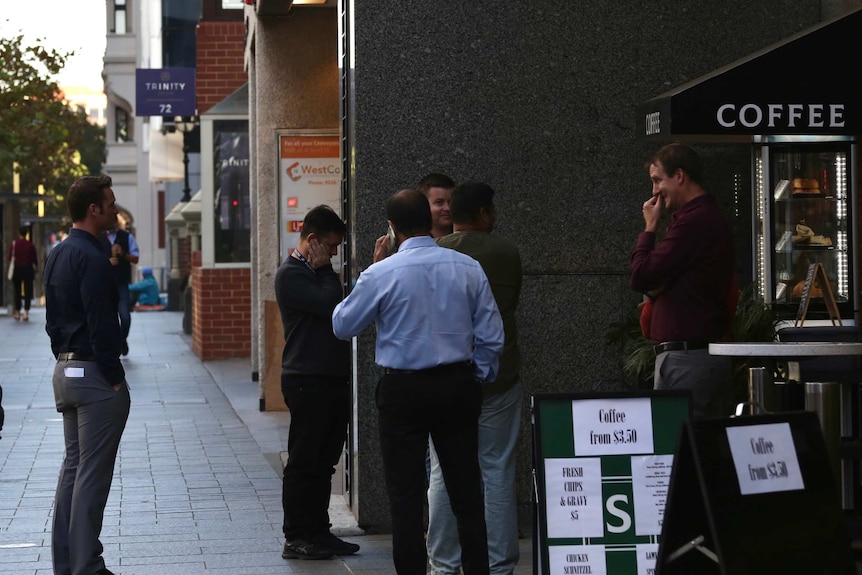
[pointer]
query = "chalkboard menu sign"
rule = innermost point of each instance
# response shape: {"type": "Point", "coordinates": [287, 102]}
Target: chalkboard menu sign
{"type": "Point", "coordinates": [753, 495]}
{"type": "Point", "coordinates": [602, 464]}
{"type": "Point", "coordinates": [816, 278]}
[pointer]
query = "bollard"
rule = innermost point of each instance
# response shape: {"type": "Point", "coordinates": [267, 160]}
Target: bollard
{"type": "Point", "coordinates": [824, 398]}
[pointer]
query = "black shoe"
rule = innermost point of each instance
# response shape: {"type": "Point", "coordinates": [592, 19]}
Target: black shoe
{"type": "Point", "coordinates": [125, 349]}
{"type": "Point", "coordinates": [336, 545]}
{"type": "Point", "coordinates": [304, 549]}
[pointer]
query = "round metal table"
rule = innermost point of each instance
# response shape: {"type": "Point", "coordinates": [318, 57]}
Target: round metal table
{"type": "Point", "coordinates": [786, 349]}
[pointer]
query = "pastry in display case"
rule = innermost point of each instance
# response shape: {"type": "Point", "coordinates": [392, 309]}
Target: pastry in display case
{"type": "Point", "coordinates": [804, 207]}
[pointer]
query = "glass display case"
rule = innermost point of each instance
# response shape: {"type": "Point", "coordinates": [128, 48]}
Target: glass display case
{"type": "Point", "coordinates": [803, 216]}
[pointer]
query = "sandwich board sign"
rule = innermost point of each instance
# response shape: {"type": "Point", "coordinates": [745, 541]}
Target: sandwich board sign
{"type": "Point", "coordinates": [753, 495]}
{"type": "Point", "coordinates": [816, 276]}
{"type": "Point", "coordinates": [601, 468]}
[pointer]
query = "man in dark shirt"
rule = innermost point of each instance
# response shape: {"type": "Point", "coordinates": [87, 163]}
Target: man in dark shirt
{"type": "Point", "coordinates": [124, 253]}
{"type": "Point", "coordinates": [687, 276]}
{"type": "Point", "coordinates": [89, 381]}
{"type": "Point", "coordinates": [315, 382]}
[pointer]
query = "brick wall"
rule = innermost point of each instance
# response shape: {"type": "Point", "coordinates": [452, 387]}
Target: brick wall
{"type": "Point", "coordinates": [221, 311]}
{"type": "Point", "coordinates": [184, 252]}
{"type": "Point", "coordinates": [220, 68]}
{"type": "Point", "coordinates": [221, 298]}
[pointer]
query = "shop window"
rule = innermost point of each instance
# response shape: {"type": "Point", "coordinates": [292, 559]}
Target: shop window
{"type": "Point", "coordinates": [179, 33]}
{"type": "Point", "coordinates": [121, 118]}
{"type": "Point", "coordinates": [232, 206]}
{"type": "Point", "coordinates": [223, 10]}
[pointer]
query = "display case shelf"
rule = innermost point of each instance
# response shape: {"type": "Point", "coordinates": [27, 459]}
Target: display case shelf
{"type": "Point", "coordinates": [819, 213]}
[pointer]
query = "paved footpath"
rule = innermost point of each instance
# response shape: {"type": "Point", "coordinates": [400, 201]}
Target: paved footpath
{"type": "Point", "coordinates": [196, 488]}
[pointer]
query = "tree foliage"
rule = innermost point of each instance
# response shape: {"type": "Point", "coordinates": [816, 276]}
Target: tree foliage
{"type": "Point", "coordinates": [51, 143]}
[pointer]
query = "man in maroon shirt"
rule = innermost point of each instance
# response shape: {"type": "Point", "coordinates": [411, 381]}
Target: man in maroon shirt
{"type": "Point", "coordinates": [687, 276]}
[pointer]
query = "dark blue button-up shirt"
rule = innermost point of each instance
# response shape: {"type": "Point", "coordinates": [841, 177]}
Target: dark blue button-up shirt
{"type": "Point", "coordinates": [81, 303]}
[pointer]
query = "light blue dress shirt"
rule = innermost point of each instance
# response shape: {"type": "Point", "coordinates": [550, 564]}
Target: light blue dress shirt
{"type": "Point", "coordinates": [432, 306]}
{"type": "Point", "coordinates": [134, 250]}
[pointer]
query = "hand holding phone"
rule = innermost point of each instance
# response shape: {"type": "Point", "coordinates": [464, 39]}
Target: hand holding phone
{"type": "Point", "coordinates": [391, 235]}
{"type": "Point", "coordinates": [318, 253]}
{"type": "Point", "coordinates": [384, 246]}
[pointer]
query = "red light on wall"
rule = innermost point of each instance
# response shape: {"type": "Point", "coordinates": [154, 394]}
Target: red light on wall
{"type": "Point", "coordinates": [292, 202]}
{"type": "Point", "coordinates": [235, 203]}
{"type": "Point", "coordinates": [250, 2]}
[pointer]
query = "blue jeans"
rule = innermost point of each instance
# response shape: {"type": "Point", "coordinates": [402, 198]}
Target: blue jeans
{"type": "Point", "coordinates": [499, 422]}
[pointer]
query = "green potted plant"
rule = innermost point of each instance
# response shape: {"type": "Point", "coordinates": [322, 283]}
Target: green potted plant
{"type": "Point", "coordinates": [754, 321]}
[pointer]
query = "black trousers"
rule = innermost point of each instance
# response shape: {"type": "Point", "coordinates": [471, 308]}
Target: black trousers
{"type": "Point", "coordinates": [319, 414]}
{"type": "Point", "coordinates": [22, 285]}
{"type": "Point", "coordinates": [445, 403]}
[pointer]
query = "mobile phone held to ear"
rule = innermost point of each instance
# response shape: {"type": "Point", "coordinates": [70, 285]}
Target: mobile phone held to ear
{"type": "Point", "coordinates": [391, 235]}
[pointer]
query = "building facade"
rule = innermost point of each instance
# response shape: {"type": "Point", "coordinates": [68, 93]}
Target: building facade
{"type": "Point", "coordinates": [536, 100]}
{"type": "Point", "coordinates": [145, 154]}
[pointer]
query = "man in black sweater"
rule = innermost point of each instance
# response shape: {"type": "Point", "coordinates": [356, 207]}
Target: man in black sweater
{"type": "Point", "coordinates": [315, 381]}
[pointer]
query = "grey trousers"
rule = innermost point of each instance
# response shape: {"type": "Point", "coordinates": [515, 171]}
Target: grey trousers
{"type": "Point", "coordinates": [94, 417]}
{"type": "Point", "coordinates": [709, 377]}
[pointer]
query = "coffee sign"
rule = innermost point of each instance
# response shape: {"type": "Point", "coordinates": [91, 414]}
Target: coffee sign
{"type": "Point", "coordinates": [777, 116]}
{"type": "Point", "coordinates": [770, 92]}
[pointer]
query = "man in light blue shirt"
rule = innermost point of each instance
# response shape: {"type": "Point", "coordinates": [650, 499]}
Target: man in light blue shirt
{"type": "Point", "coordinates": [439, 337]}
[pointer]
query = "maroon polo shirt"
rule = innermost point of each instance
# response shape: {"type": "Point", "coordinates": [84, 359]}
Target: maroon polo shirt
{"type": "Point", "coordinates": [687, 274]}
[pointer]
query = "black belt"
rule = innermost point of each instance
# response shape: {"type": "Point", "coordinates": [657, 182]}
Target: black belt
{"type": "Point", "coordinates": [679, 346]}
{"type": "Point", "coordinates": [428, 371]}
{"type": "Point", "coordinates": [73, 356]}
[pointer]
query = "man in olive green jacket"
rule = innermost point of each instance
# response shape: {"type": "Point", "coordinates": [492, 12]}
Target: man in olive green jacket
{"type": "Point", "coordinates": [473, 216]}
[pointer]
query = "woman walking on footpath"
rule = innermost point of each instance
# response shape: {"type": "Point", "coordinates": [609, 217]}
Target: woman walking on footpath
{"type": "Point", "coordinates": [24, 253]}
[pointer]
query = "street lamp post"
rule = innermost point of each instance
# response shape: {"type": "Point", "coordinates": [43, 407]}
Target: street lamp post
{"type": "Point", "coordinates": [185, 124]}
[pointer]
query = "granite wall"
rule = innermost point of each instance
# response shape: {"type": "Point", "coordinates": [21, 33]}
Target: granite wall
{"type": "Point", "coordinates": [538, 100]}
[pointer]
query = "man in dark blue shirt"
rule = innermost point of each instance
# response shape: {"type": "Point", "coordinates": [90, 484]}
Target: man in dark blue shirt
{"type": "Point", "coordinates": [89, 381]}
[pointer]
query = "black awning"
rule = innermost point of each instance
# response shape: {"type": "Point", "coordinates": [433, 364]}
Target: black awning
{"type": "Point", "coordinates": [809, 84]}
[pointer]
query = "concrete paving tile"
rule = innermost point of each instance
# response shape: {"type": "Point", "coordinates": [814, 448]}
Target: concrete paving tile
{"type": "Point", "coordinates": [191, 549]}
{"type": "Point", "coordinates": [172, 537]}
{"type": "Point", "coordinates": [33, 500]}
{"type": "Point", "coordinates": [194, 560]}
{"type": "Point", "coordinates": [36, 567]}
{"type": "Point", "coordinates": [246, 560]}
{"type": "Point", "coordinates": [20, 555]}
{"type": "Point", "coordinates": [222, 532]}
{"type": "Point", "coordinates": [28, 524]}
{"type": "Point", "coordinates": [160, 528]}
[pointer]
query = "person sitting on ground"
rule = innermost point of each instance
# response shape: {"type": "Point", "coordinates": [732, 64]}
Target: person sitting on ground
{"type": "Point", "coordinates": [146, 291]}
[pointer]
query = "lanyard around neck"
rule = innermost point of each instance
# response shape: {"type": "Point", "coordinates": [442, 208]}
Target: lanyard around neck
{"type": "Point", "coordinates": [301, 258]}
